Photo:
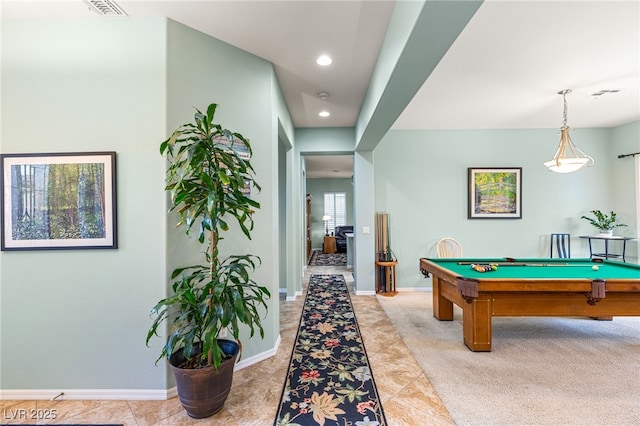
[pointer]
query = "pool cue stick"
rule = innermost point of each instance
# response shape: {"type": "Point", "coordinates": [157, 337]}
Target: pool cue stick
{"type": "Point", "coordinates": [502, 263]}
{"type": "Point", "coordinates": [565, 265]}
{"type": "Point", "coordinates": [552, 265]}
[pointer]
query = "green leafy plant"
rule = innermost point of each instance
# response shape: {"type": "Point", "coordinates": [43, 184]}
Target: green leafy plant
{"type": "Point", "coordinates": [602, 221]}
{"type": "Point", "coordinates": [208, 177]}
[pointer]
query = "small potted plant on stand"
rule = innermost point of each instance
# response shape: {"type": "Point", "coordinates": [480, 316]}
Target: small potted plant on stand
{"type": "Point", "coordinates": [208, 176]}
{"type": "Point", "coordinates": [603, 222]}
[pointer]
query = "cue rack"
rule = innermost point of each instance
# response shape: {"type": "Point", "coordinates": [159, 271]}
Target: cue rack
{"type": "Point", "coordinates": [385, 260]}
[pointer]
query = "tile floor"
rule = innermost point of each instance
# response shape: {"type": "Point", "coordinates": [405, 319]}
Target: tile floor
{"type": "Point", "coordinates": [406, 394]}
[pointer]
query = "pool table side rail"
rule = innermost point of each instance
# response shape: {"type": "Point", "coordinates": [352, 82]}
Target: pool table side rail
{"type": "Point", "coordinates": [490, 283]}
{"type": "Point", "coordinates": [512, 297]}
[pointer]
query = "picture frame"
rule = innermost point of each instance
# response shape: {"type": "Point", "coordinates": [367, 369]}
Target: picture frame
{"type": "Point", "coordinates": [58, 201]}
{"type": "Point", "coordinates": [235, 144]}
{"type": "Point", "coordinates": [495, 193]}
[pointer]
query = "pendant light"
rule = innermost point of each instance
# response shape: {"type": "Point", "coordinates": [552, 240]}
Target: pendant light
{"type": "Point", "coordinates": [569, 158]}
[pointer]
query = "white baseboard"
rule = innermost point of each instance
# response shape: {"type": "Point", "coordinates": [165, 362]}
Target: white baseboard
{"type": "Point", "coordinates": [243, 363]}
{"type": "Point", "coordinates": [403, 289]}
{"type": "Point", "coordinates": [365, 293]}
{"type": "Point", "coordinates": [172, 392]}
{"type": "Point", "coordinates": [294, 297]}
{"type": "Point", "coordinates": [116, 394]}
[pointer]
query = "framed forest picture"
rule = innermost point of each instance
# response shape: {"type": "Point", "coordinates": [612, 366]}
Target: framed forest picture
{"type": "Point", "coordinates": [58, 201]}
{"type": "Point", "coordinates": [495, 193]}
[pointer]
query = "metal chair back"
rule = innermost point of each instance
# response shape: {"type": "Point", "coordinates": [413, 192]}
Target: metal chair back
{"type": "Point", "coordinates": [562, 243]}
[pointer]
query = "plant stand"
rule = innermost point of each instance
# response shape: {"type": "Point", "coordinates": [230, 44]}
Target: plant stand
{"type": "Point", "coordinates": [387, 278]}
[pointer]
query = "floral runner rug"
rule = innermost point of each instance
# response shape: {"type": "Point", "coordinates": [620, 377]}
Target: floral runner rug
{"type": "Point", "coordinates": [319, 258]}
{"type": "Point", "coordinates": [329, 381]}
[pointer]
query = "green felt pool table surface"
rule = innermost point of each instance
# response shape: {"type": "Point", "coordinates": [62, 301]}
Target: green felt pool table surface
{"type": "Point", "coordinates": [529, 287]}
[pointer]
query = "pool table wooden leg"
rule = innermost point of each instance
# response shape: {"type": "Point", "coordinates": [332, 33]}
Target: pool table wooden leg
{"type": "Point", "coordinates": [476, 323]}
{"type": "Point", "coordinates": [442, 307]}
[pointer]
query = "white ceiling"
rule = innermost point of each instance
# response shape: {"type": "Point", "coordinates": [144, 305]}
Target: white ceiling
{"type": "Point", "coordinates": [503, 71]}
{"type": "Point", "coordinates": [329, 166]}
{"type": "Point", "coordinates": [507, 66]}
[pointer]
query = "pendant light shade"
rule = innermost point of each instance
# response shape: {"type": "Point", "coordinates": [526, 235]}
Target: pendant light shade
{"type": "Point", "coordinates": [568, 158]}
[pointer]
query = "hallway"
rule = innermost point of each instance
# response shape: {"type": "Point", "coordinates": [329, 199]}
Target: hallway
{"type": "Point", "coordinates": [407, 396]}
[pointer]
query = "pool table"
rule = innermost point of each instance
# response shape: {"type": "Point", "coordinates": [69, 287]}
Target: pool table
{"type": "Point", "coordinates": [530, 287]}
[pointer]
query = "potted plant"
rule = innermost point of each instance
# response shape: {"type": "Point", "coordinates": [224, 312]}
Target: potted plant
{"type": "Point", "coordinates": [208, 176]}
{"type": "Point", "coordinates": [603, 222]}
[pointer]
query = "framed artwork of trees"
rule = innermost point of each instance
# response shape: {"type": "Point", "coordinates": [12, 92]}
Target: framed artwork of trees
{"type": "Point", "coordinates": [495, 193]}
{"type": "Point", "coordinates": [58, 201]}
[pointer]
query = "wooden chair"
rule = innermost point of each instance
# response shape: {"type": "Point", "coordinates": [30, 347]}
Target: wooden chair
{"type": "Point", "coordinates": [563, 245]}
{"type": "Point", "coordinates": [449, 247]}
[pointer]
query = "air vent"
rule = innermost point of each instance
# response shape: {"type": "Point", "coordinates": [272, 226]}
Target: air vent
{"type": "Point", "coordinates": [604, 91]}
{"type": "Point", "coordinates": [105, 7]}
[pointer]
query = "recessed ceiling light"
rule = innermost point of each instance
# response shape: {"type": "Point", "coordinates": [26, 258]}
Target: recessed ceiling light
{"type": "Point", "coordinates": [323, 95]}
{"type": "Point", "coordinates": [324, 114]}
{"type": "Point", "coordinates": [324, 60]}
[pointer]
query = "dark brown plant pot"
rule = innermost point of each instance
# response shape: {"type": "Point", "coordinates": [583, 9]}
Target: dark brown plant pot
{"type": "Point", "coordinates": [203, 391]}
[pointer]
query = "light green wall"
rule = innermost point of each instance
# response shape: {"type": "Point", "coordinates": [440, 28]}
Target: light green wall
{"type": "Point", "coordinates": [203, 70]}
{"type": "Point", "coordinates": [421, 180]}
{"type": "Point", "coordinates": [419, 34]}
{"type": "Point", "coordinates": [123, 84]}
{"type": "Point", "coordinates": [325, 141]}
{"type": "Point", "coordinates": [364, 208]}
{"type": "Point", "coordinates": [625, 182]}
{"type": "Point", "coordinates": [284, 230]}
{"type": "Point", "coordinates": [292, 202]}
{"type": "Point", "coordinates": [76, 319]}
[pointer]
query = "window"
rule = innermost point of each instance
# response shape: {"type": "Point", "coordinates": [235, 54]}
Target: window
{"type": "Point", "coordinates": [335, 206]}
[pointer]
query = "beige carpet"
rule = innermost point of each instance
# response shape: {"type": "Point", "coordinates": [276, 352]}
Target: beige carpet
{"type": "Point", "coordinates": [541, 371]}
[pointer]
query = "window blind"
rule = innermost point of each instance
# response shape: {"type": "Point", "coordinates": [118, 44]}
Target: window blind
{"type": "Point", "coordinates": [335, 206]}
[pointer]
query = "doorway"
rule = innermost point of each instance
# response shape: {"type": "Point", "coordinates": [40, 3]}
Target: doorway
{"type": "Point", "coordinates": [325, 174]}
